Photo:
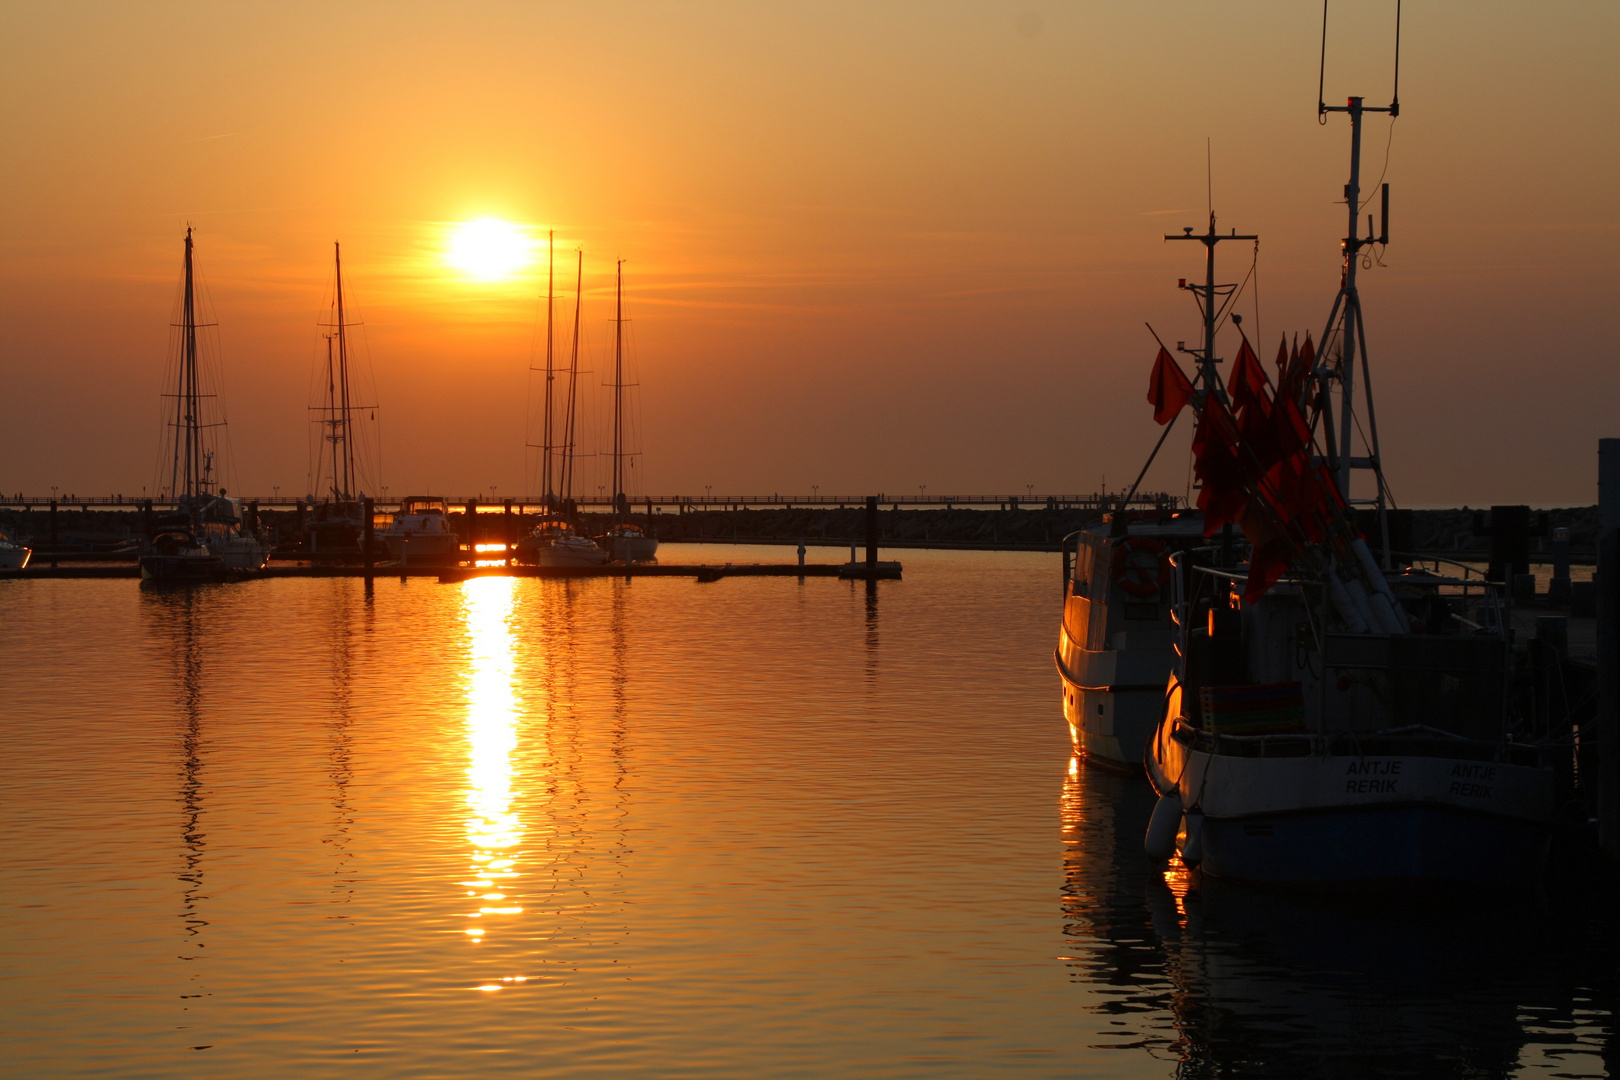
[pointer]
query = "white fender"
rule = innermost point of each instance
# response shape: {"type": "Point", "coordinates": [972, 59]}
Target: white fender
{"type": "Point", "coordinates": [1160, 841]}
{"type": "Point", "coordinates": [1192, 847]}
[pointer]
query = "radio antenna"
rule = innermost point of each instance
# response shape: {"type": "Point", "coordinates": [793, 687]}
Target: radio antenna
{"type": "Point", "coordinates": [1345, 319]}
{"type": "Point", "coordinates": [1394, 109]}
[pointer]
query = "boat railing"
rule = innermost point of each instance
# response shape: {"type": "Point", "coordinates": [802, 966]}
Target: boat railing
{"type": "Point", "coordinates": [1410, 739]}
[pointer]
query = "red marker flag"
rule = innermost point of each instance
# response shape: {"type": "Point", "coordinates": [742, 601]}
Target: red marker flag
{"type": "Point", "coordinates": [1247, 383]}
{"type": "Point", "coordinates": [1168, 390]}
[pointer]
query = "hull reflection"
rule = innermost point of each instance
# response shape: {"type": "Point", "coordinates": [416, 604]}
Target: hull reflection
{"type": "Point", "coordinates": [1220, 979]}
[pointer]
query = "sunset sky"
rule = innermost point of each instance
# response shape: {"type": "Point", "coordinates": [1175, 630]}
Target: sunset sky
{"type": "Point", "coordinates": [869, 246]}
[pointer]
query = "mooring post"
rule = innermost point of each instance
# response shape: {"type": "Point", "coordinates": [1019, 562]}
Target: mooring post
{"type": "Point", "coordinates": [1608, 646]}
{"type": "Point", "coordinates": [871, 536]}
{"type": "Point", "coordinates": [369, 525]}
{"type": "Point", "coordinates": [146, 524]}
{"type": "Point", "coordinates": [470, 517]}
{"type": "Point", "coordinates": [506, 532]}
{"type": "Point", "coordinates": [53, 534]}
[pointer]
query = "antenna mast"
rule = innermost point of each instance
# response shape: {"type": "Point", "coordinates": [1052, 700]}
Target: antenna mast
{"type": "Point", "coordinates": [1346, 315]}
{"type": "Point", "coordinates": [1208, 296]}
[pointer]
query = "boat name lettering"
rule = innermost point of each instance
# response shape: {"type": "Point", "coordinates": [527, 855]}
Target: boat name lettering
{"type": "Point", "coordinates": [1481, 771]}
{"type": "Point", "coordinates": [1473, 791]}
{"type": "Point", "coordinates": [1370, 786]}
{"type": "Point", "coordinates": [1374, 768]}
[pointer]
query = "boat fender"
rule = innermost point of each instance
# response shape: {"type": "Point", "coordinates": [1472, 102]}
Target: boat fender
{"type": "Point", "coordinates": [1160, 841]}
{"type": "Point", "coordinates": [1192, 845]}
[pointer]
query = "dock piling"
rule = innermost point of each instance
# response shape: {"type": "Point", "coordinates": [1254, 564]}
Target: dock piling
{"type": "Point", "coordinates": [871, 535]}
{"type": "Point", "coordinates": [1608, 646]}
{"type": "Point", "coordinates": [369, 523]}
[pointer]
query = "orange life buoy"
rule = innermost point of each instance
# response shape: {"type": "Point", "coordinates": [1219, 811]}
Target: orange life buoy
{"type": "Point", "coordinates": [1139, 566]}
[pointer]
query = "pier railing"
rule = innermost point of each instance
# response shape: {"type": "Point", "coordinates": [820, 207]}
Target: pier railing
{"type": "Point", "coordinates": [774, 501]}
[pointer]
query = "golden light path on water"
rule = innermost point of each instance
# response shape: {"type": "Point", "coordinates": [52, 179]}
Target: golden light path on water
{"type": "Point", "coordinates": [494, 830]}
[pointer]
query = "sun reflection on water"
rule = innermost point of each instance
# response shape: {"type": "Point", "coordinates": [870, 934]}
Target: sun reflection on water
{"type": "Point", "coordinates": [493, 829]}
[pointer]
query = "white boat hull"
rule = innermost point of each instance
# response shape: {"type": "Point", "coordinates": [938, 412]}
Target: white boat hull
{"type": "Point", "coordinates": [422, 546]}
{"type": "Point", "coordinates": [1331, 817]}
{"type": "Point", "coordinates": [13, 557]}
{"type": "Point", "coordinates": [569, 555]}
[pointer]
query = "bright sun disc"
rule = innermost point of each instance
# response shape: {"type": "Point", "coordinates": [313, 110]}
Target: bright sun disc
{"type": "Point", "coordinates": [488, 248]}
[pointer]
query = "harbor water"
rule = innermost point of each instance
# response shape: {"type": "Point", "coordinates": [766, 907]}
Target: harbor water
{"type": "Point", "coordinates": [759, 827]}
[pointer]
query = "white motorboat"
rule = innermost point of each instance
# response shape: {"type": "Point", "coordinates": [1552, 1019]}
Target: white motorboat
{"type": "Point", "coordinates": [421, 533]}
{"type": "Point", "coordinates": [1115, 646]}
{"type": "Point", "coordinates": [13, 556]}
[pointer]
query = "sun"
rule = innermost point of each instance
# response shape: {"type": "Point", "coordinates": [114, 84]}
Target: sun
{"type": "Point", "coordinates": [488, 248]}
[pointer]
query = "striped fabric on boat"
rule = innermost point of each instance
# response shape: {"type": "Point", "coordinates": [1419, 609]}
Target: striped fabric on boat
{"type": "Point", "coordinates": [1271, 709]}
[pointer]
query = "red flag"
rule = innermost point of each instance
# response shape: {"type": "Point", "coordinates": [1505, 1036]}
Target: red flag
{"type": "Point", "coordinates": [1247, 383]}
{"type": "Point", "coordinates": [1216, 447]}
{"type": "Point", "coordinates": [1168, 390]}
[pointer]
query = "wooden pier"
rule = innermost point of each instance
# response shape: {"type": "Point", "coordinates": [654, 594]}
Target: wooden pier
{"type": "Point", "coordinates": [450, 574]}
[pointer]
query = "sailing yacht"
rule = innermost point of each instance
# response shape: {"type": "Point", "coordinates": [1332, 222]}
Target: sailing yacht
{"type": "Point", "coordinates": [555, 541]}
{"type": "Point", "coordinates": [1332, 719]}
{"type": "Point", "coordinates": [205, 540]}
{"type": "Point", "coordinates": [337, 524]}
{"type": "Point", "coordinates": [624, 540]}
{"type": "Point", "coordinates": [421, 533]}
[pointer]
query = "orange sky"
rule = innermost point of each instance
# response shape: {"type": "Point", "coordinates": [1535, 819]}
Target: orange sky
{"type": "Point", "coordinates": [870, 246]}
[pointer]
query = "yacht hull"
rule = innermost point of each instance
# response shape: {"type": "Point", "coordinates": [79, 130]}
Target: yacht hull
{"type": "Point", "coordinates": [423, 547]}
{"type": "Point", "coordinates": [14, 558]}
{"type": "Point", "coordinates": [568, 555]}
{"type": "Point", "coordinates": [634, 549]}
{"type": "Point", "coordinates": [181, 568]}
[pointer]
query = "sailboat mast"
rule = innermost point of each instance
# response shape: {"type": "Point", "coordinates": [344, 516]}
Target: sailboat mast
{"type": "Point", "coordinates": [188, 432]}
{"type": "Point", "coordinates": [547, 449]}
{"type": "Point", "coordinates": [347, 484]}
{"type": "Point", "coordinates": [618, 392]}
{"type": "Point", "coordinates": [332, 414]}
{"type": "Point", "coordinates": [573, 384]}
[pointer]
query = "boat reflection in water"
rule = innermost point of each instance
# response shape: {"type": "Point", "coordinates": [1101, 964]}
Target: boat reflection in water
{"type": "Point", "coordinates": [494, 829]}
{"type": "Point", "coordinates": [1220, 979]}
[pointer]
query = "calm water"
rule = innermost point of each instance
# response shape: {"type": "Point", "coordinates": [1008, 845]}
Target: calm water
{"type": "Point", "coordinates": [750, 828]}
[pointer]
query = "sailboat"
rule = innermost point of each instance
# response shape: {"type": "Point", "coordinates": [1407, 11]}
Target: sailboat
{"type": "Point", "coordinates": [555, 541]}
{"type": "Point", "coordinates": [337, 525]}
{"type": "Point", "coordinates": [205, 540]}
{"type": "Point", "coordinates": [625, 541]}
{"type": "Point", "coordinates": [1332, 719]}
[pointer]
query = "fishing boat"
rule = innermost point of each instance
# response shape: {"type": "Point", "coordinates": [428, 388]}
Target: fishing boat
{"type": "Point", "coordinates": [13, 556]}
{"type": "Point", "coordinates": [421, 533]}
{"type": "Point", "coordinates": [1332, 719]}
{"type": "Point", "coordinates": [205, 538]}
{"type": "Point", "coordinates": [624, 540]}
{"type": "Point", "coordinates": [337, 524]}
